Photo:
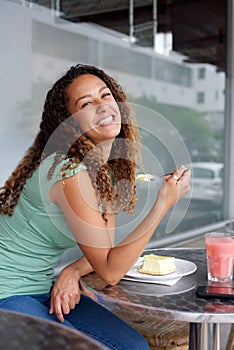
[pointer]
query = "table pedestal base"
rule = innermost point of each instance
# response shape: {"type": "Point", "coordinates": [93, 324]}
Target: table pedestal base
{"type": "Point", "coordinates": [204, 336]}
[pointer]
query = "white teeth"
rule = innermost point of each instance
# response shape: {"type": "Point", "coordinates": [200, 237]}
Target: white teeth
{"type": "Point", "coordinates": [106, 120]}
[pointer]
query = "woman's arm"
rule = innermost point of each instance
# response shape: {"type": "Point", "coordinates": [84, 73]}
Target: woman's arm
{"type": "Point", "coordinates": [96, 239]}
{"type": "Point", "coordinates": [66, 291]}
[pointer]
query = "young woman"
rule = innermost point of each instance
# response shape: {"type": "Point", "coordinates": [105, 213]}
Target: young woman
{"type": "Point", "coordinates": [79, 172]}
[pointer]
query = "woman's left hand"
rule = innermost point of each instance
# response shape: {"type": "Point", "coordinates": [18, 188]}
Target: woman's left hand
{"type": "Point", "coordinates": [65, 293]}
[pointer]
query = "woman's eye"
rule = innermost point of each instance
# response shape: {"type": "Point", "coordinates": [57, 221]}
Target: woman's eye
{"type": "Point", "coordinates": [86, 104]}
{"type": "Point", "coordinates": [107, 94]}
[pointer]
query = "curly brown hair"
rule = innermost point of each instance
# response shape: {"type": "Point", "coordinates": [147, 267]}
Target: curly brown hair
{"type": "Point", "coordinates": [79, 148]}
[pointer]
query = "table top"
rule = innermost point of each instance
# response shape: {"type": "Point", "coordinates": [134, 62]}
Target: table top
{"type": "Point", "coordinates": [19, 331]}
{"type": "Point", "coordinates": [177, 302]}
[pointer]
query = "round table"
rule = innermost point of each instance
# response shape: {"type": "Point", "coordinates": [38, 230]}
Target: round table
{"type": "Point", "coordinates": [177, 302]}
{"type": "Point", "coordinates": [19, 331]}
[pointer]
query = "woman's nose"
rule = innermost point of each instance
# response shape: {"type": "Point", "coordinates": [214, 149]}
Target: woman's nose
{"type": "Point", "coordinates": [101, 106]}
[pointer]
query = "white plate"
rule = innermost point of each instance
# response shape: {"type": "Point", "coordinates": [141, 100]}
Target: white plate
{"type": "Point", "coordinates": [183, 268]}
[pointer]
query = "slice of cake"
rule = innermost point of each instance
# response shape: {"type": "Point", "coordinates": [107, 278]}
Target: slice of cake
{"type": "Point", "coordinates": [145, 177]}
{"type": "Point", "coordinates": [157, 265]}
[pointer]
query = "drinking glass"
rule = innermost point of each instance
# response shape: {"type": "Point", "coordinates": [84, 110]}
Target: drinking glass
{"type": "Point", "coordinates": [220, 256]}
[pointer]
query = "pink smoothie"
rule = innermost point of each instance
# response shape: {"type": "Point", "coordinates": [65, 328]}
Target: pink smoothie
{"type": "Point", "coordinates": [220, 255]}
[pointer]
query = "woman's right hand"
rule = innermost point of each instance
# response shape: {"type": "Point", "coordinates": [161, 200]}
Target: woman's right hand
{"type": "Point", "coordinates": [65, 293]}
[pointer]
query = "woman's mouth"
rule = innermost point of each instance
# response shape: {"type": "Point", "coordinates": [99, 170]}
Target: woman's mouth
{"type": "Point", "coordinates": [106, 121]}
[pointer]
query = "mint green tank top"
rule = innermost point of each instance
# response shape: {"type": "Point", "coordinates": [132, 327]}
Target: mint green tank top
{"type": "Point", "coordinates": [34, 237]}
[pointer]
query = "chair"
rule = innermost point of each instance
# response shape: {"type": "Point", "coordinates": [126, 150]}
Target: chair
{"type": "Point", "coordinates": [160, 334]}
{"type": "Point", "coordinates": [230, 342]}
{"type": "Point", "coordinates": [20, 331]}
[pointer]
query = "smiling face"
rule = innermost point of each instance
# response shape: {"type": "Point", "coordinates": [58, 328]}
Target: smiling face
{"type": "Point", "coordinates": [94, 108]}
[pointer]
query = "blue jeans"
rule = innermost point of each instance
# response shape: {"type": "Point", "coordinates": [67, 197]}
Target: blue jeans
{"type": "Point", "coordinates": [88, 317]}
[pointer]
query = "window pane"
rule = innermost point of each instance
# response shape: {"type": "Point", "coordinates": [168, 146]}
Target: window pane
{"type": "Point", "coordinates": [200, 97]}
{"type": "Point", "coordinates": [204, 173]}
{"type": "Point", "coordinates": [201, 73]}
{"type": "Point", "coordinates": [179, 102]}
